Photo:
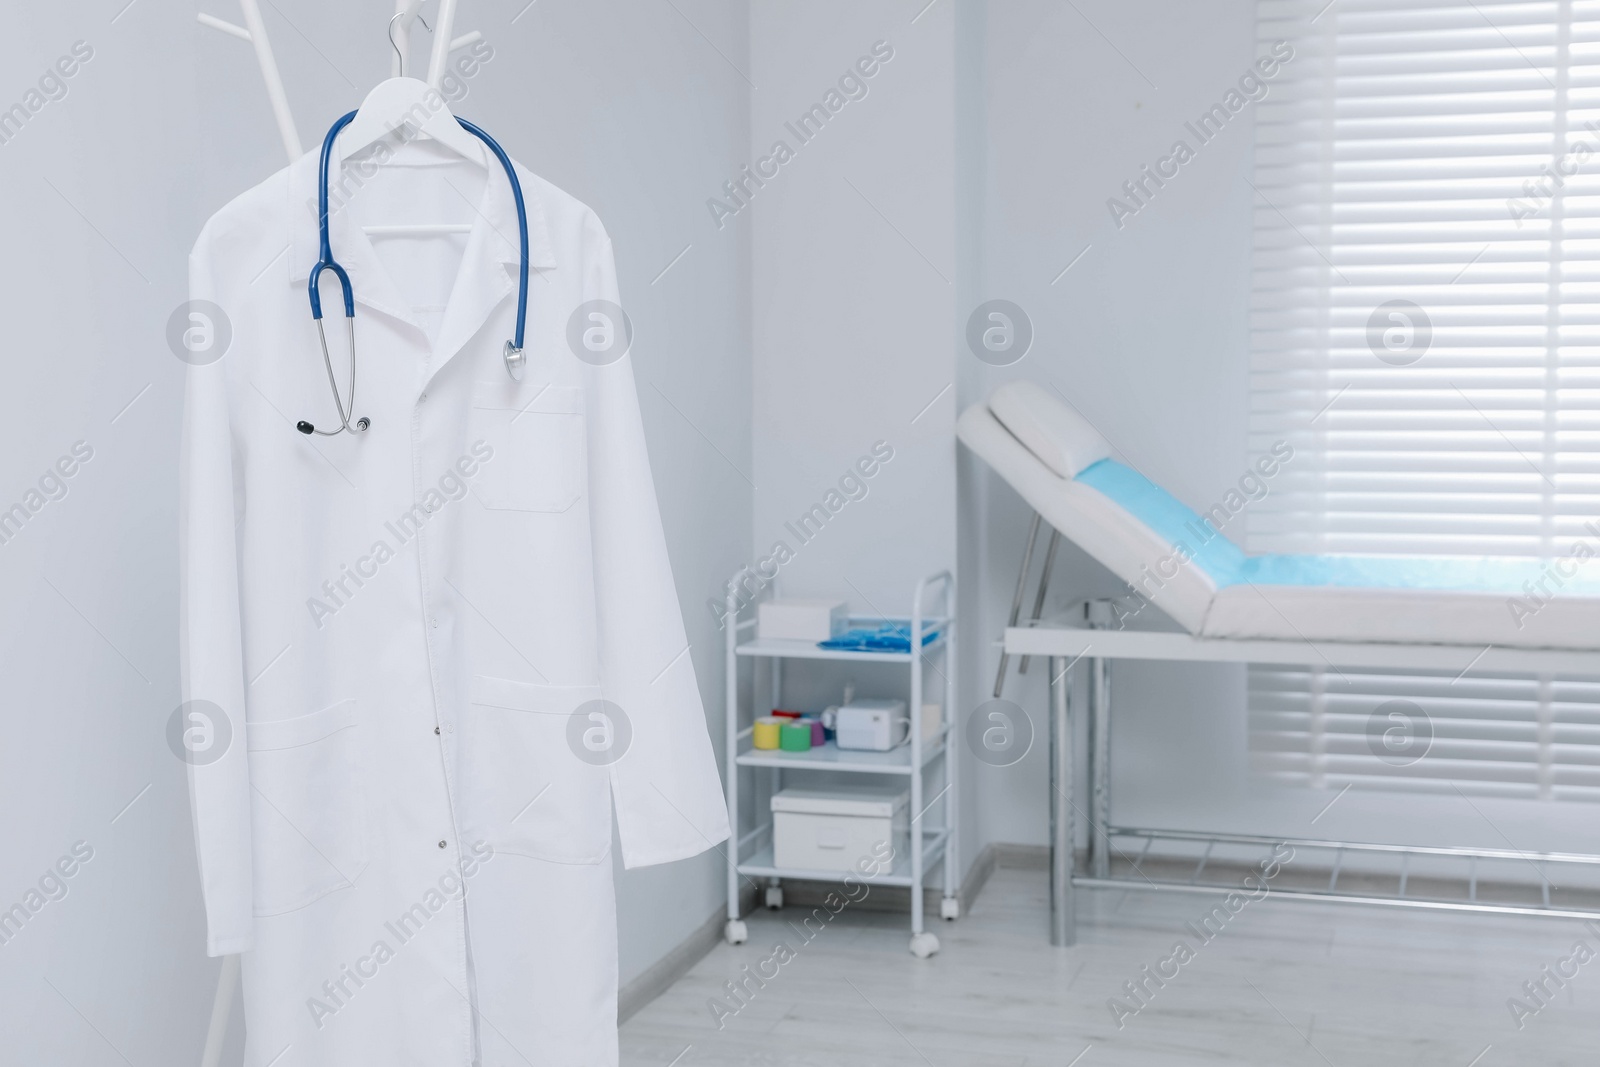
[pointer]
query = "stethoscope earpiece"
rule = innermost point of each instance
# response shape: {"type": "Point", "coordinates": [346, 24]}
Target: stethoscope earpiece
{"type": "Point", "coordinates": [515, 361]}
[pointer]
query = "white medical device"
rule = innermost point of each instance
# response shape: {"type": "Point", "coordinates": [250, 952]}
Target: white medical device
{"type": "Point", "coordinates": [873, 725]}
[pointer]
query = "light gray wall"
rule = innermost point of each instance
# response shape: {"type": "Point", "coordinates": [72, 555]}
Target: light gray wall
{"type": "Point", "coordinates": [627, 106]}
{"type": "Point", "coordinates": [853, 297]}
{"type": "Point", "coordinates": [96, 230]}
{"type": "Point", "coordinates": [854, 281]}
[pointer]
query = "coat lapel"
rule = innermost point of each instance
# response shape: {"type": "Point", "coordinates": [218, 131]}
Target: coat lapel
{"type": "Point", "coordinates": [488, 275]}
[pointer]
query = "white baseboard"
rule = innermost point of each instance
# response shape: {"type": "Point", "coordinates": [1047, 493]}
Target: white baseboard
{"type": "Point", "coordinates": [659, 976]}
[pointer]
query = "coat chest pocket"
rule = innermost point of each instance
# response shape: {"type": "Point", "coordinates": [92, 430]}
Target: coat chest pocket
{"type": "Point", "coordinates": [527, 790]}
{"type": "Point", "coordinates": [307, 802]}
{"type": "Point", "coordinates": [537, 435]}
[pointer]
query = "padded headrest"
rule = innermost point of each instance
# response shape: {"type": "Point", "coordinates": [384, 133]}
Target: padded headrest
{"type": "Point", "coordinates": [1061, 438]}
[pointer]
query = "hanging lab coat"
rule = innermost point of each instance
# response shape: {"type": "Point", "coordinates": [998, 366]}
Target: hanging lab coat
{"type": "Point", "coordinates": [408, 830]}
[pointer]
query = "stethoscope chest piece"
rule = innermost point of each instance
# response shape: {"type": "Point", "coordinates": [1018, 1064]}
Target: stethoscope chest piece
{"type": "Point", "coordinates": [516, 362]}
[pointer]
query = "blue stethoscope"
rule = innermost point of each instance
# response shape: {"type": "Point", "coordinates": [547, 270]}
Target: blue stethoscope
{"type": "Point", "coordinates": [515, 360]}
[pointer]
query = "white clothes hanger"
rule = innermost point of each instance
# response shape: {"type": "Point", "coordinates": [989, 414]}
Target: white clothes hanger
{"type": "Point", "coordinates": [406, 107]}
{"type": "Point", "coordinates": [399, 104]}
{"type": "Point", "coordinates": [392, 109]}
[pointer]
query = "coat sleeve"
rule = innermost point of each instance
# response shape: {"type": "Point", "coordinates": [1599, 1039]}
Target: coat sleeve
{"type": "Point", "coordinates": [664, 786]}
{"type": "Point", "coordinates": [212, 670]}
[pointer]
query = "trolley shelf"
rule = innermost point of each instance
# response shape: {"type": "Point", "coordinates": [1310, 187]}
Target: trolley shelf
{"type": "Point", "coordinates": [933, 841]}
{"type": "Point", "coordinates": [830, 757]}
{"type": "Point", "coordinates": [778, 648]}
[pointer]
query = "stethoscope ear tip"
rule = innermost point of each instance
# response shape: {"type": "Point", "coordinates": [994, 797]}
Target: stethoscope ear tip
{"type": "Point", "coordinates": [305, 427]}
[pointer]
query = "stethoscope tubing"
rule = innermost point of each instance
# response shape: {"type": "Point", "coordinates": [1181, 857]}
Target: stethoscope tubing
{"type": "Point", "coordinates": [325, 261]}
{"type": "Point", "coordinates": [522, 224]}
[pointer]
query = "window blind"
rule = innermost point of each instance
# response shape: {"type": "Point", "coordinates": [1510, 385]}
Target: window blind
{"type": "Point", "coordinates": [1426, 332]}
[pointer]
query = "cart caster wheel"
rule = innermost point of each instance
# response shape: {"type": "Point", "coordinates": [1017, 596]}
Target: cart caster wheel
{"type": "Point", "coordinates": [924, 945]}
{"type": "Point", "coordinates": [949, 908]}
{"type": "Point", "coordinates": [774, 897]}
{"type": "Point", "coordinates": [735, 932]}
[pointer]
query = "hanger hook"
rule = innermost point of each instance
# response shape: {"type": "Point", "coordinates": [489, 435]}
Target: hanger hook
{"type": "Point", "coordinates": [398, 15]}
{"type": "Point", "coordinates": [398, 54]}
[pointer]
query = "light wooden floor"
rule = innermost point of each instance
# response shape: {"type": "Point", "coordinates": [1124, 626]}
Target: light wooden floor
{"type": "Point", "coordinates": [1285, 983]}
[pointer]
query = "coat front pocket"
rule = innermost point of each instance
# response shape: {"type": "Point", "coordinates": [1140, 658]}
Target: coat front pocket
{"type": "Point", "coordinates": [307, 802]}
{"type": "Point", "coordinates": [527, 791]}
{"type": "Point", "coordinates": [537, 435]}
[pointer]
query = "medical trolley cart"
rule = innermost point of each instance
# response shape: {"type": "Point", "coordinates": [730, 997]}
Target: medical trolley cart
{"type": "Point", "coordinates": [917, 760]}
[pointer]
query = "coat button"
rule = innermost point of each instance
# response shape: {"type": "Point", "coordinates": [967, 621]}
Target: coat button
{"type": "Point", "coordinates": [441, 844]}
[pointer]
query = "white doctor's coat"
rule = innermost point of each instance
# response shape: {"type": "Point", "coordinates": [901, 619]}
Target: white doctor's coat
{"type": "Point", "coordinates": [407, 836]}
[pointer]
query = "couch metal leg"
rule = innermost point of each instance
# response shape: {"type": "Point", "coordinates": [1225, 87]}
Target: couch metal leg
{"type": "Point", "coordinates": [1016, 602]}
{"type": "Point", "coordinates": [1062, 835]}
{"type": "Point", "coordinates": [1044, 584]}
{"type": "Point", "coordinates": [1100, 767]}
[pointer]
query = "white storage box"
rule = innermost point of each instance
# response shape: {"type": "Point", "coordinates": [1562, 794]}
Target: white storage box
{"type": "Point", "coordinates": [801, 620]}
{"type": "Point", "coordinates": [833, 830]}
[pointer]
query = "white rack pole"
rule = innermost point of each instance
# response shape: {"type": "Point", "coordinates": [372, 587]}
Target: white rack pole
{"type": "Point", "coordinates": [730, 637]}
{"type": "Point", "coordinates": [226, 27]}
{"type": "Point", "coordinates": [399, 61]}
{"type": "Point", "coordinates": [914, 729]}
{"type": "Point", "coordinates": [269, 73]}
{"type": "Point", "coordinates": [952, 814]}
{"type": "Point", "coordinates": [221, 1008]}
{"type": "Point", "coordinates": [444, 27]}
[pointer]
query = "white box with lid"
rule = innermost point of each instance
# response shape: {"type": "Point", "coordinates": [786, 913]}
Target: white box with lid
{"type": "Point", "coordinates": [835, 829]}
{"type": "Point", "coordinates": [801, 620]}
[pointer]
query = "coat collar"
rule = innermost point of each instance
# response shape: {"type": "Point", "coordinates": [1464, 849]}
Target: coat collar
{"type": "Point", "coordinates": [488, 272]}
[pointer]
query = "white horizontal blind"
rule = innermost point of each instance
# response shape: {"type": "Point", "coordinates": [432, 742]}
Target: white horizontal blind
{"type": "Point", "coordinates": [1426, 333]}
{"type": "Point", "coordinates": [1522, 736]}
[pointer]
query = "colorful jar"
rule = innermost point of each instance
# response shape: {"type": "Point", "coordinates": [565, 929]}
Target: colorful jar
{"type": "Point", "coordinates": [767, 732]}
{"type": "Point", "coordinates": [795, 737]}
